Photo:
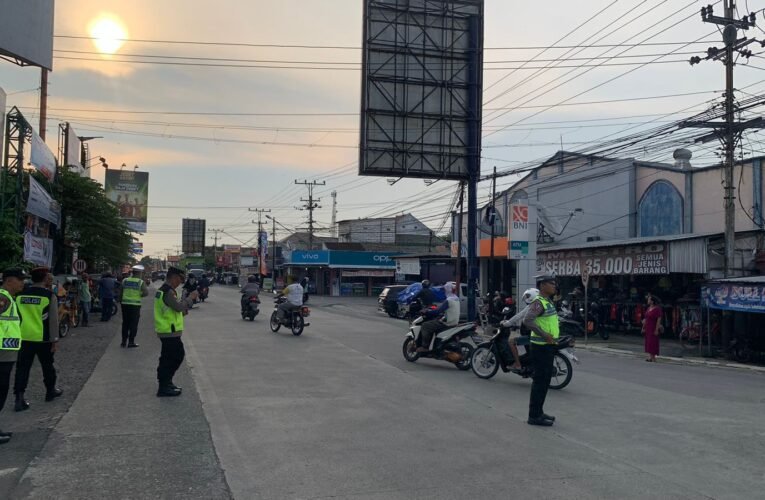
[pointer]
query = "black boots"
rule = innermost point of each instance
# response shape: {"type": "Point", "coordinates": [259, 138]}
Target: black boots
{"type": "Point", "coordinates": [53, 394]}
{"type": "Point", "coordinates": [21, 403]}
{"type": "Point", "coordinates": [168, 391]}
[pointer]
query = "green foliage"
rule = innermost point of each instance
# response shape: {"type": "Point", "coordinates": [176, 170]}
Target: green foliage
{"type": "Point", "coordinates": [93, 221]}
{"type": "Point", "coordinates": [11, 243]}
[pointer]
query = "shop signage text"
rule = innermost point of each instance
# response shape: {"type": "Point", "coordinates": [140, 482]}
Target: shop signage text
{"type": "Point", "coordinates": [735, 297]}
{"type": "Point", "coordinates": [631, 260]}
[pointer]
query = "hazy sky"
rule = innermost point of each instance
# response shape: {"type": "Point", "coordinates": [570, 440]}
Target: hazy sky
{"type": "Point", "coordinates": [214, 166]}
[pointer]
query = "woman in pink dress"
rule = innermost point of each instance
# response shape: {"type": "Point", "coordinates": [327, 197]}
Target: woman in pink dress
{"type": "Point", "coordinates": [652, 328]}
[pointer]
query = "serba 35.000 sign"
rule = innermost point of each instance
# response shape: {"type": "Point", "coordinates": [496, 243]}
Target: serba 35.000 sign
{"type": "Point", "coordinates": [636, 259]}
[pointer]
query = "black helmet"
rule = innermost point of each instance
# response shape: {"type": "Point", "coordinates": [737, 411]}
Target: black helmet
{"type": "Point", "coordinates": [252, 279]}
{"type": "Point", "coordinates": [425, 283]}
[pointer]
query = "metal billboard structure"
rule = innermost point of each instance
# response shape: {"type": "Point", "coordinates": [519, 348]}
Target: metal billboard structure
{"type": "Point", "coordinates": [193, 235]}
{"type": "Point", "coordinates": [421, 94]}
{"type": "Point", "coordinates": [422, 65]}
{"type": "Point", "coordinates": [26, 32]}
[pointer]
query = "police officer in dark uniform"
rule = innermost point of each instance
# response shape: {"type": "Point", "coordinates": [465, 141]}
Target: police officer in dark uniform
{"type": "Point", "coordinates": [168, 324]}
{"type": "Point", "coordinates": [38, 308]}
{"type": "Point", "coordinates": [10, 333]}
{"type": "Point", "coordinates": [542, 320]}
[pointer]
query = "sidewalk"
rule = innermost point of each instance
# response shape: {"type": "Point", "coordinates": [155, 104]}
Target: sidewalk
{"type": "Point", "coordinates": [119, 440]}
{"type": "Point", "coordinates": [671, 351]}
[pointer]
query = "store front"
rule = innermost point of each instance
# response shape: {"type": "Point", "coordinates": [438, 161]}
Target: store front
{"type": "Point", "coordinates": [342, 273]}
{"type": "Point", "coordinates": [621, 275]}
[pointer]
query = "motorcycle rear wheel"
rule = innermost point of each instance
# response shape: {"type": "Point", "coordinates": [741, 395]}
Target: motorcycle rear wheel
{"type": "Point", "coordinates": [274, 322]}
{"type": "Point", "coordinates": [410, 350]}
{"type": "Point", "coordinates": [298, 323]}
{"type": "Point", "coordinates": [484, 361]}
{"type": "Point", "coordinates": [562, 372]}
{"type": "Point", "coordinates": [467, 357]}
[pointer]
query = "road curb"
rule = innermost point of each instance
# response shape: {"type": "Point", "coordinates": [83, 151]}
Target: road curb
{"type": "Point", "coordinates": [689, 361]}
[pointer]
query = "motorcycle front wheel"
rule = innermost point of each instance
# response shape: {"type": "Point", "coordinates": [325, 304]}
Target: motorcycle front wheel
{"type": "Point", "coordinates": [561, 373]}
{"type": "Point", "coordinates": [298, 323]}
{"type": "Point", "coordinates": [274, 322]}
{"type": "Point", "coordinates": [63, 326]}
{"type": "Point", "coordinates": [484, 362]}
{"type": "Point", "coordinates": [467, 357]}
{"type": "Point", "coordinates": [410, 350]}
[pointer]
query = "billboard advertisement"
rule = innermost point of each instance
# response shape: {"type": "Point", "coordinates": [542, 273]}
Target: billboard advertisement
{"type": "Point", "coordinates": [193, 235]}
{"type": "Point", "coordinates": [129, 190]}
{"type": "Point", "coordinates": [38, 250]}
{"type": "Point", "coordinates": [263, 248]}
{"type": "Point", "coordinates": [73, 151]}
{"type": "Point", "coordinates": [633, 260]}
{"type": "Point", "coordinates": [519, 230]}
{"type": "Point", "coordinates": [42, 158]}
{"type": "Point", "coordinates": [743, 297]}
{"type": "Point", "coordinates": [422, 66]}
{"type": "Point", "coordinates": [41, 204]}
{"type": "Point", "coordinates": [26, 31]}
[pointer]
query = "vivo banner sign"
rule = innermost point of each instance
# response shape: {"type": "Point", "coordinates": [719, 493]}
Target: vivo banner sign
{"type": "Point", "coordinates": [309, 257]}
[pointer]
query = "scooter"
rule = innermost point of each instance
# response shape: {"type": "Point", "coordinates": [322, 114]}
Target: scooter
{"type": "Point", "coordinates": [295, 320]}
{"type": "Point", "coordinates": [251, 307]}
{"type": "Point", "coordinates": [490, 356]}
{"type": "Point", "coordinates": [445, 346]}
{"type": "Point", "coordinates": [203, 292]}
{"type": "Point", "coordinates": [574, 325]}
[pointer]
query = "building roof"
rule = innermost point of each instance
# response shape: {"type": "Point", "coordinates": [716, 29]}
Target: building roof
{"type": "Point", "coordinates": [333, 245]}
{"type": "Point", "coordinates": [753, 280]}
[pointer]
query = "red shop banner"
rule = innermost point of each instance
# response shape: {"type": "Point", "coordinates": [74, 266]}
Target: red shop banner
{"type": "Point", "coordinates": [606, 261]}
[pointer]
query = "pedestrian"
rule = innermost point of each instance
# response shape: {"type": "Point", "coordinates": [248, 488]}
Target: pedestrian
{"type": "Point", "coordinates": [106, 288]}
{"type": "Point", "coordinates": [133, 289]}
{"type": "Point", "coordinates": [10, 333]}
{"type": "Point", "coordinates": [85, 299]}
{"type": "Point", "coordinates": [542, 320]}
{"type": "Point", "coordinates": [168, 324]}
{"type": "Point", "coordinates": [652, 327]}
{"type": "Point", "coordinates": [38, 308]}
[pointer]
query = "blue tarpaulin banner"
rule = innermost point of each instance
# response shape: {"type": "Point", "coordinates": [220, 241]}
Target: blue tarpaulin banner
{"type": "Point", "coordinates": [734, 297]}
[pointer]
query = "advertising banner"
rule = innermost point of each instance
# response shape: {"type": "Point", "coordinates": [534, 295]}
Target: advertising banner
{"type": "Point", "coordinates": [519, 232]}
{"type": "Point", "coordinates": [73, 151]}
{"type": "Point", "coordinates": [373, 260]}
{"type": "Point", "coordinates": [130, 191]}
{"type": "Point", "coordinates": [735, 297]}
{"type": "Point", "coordinates": [136, 247]}
{"type": "Point", "coordinates": [41, 204]}
{"type": "Point", "coordinates": [26, 31]}
{"type": "Point", "coordinates": [193, 235]}
{"type": "Point", "coordinates": [41, 157]}
{"type": "Point", "coordinates": [309, 257]}
{"type": "Point", "coordinates": [408, 266]}
{"type": "Point", "coordinates": [606, 261]}
{"type": "Point", "coordinates": [38, 250]}
{"type": "Point", "coordinates": [263, 257]}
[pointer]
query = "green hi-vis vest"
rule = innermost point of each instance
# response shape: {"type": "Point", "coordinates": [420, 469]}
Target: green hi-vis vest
{"type": "Point", "coordinates": [131, 291]}
{"type": "Point", "coordinates": [33, 305]}
{"type": "Point", "coordinates": [548, 321]}
{"type": "Point", "coordinates": [166, 320]}
{"type": "Point", "coordinates": [10, 325]}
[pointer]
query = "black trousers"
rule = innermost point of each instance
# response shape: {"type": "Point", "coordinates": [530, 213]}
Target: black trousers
{"type": "Point", "coordinates": [24, 363]}
{"type": "Point", "coordinates": [130, 317]}
{"type": "Point", "coordinates": [6, 367]}
{"type": "Point", "coordinates": [170, 360]}
{"type": "Point", "coordinates": [106, 309]}
{"type": "Point", "coordinates": [542, 357]}
{"type": "Point", "coordinates": [430, 328]}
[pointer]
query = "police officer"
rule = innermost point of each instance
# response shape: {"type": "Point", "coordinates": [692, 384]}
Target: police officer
{"type": "Point", "coordinates": [542, 320]}
{"type": "Point", "coordinates": [10, 333]}
{"type": "Point", "coordinates": [168, 323]}
{"type": "Point", "coordinates": [132, 290]}
{"type": "Point", "coordinates": [38, 308]}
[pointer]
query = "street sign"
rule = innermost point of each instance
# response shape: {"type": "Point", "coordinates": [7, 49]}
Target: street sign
{"type": "Point", "coordinates": [585, 277]}
{"type": "Point", "coordinates": [80, 265]}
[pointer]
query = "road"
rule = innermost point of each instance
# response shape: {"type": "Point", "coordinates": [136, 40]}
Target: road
{"type": "Point", "coordinates": [338, 413]}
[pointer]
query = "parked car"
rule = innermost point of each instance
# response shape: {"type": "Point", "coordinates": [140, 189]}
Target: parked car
{"type": "Point", "coordinates": [387, 301]}
{"type": "Point", "coordinates": [405, 297]}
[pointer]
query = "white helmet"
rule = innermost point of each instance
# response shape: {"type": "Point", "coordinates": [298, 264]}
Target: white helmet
{"type": "Point", "coordinates": [529, 295]}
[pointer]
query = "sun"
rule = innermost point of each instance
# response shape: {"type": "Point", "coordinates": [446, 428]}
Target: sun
{"type": "Point", "coordinates": [108, 33]}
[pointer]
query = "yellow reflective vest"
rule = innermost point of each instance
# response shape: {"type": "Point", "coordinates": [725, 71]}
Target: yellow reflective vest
{"type": "Point", "coordinates": [10, 325]}
{"type": "Point", "coordinates": [131, 291]}
{"type": "Point", "coordinates": [166, 321]}
{"type": "Point", "coordinates": [547, 321]}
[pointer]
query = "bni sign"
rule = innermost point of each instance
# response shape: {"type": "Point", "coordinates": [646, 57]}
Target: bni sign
{"type": "Point", "coordinates": [518, 231]}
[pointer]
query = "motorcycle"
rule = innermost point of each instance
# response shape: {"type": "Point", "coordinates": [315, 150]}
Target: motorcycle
{"type": "Point", "coordinates": [250, 307]}
{"type": "Point", "coordinates": [574, 325]}
{"type": "Point", "coordinates": [203, 292]}
{"type": "Point", "coordinates": [294, 320]}
{"type": "Point", "coordinates": [490, 356]}
{"type": "Point", "coordinates": [445, 346]}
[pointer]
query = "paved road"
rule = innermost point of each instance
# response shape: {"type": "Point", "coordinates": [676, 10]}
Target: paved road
{"type": "Point", "coordinates": [338, 413]}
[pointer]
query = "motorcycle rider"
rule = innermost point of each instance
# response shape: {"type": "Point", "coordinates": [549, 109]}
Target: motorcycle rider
{"type": "Point", "coordinates": [251, 289]}
{"type": "Point", "coordinates": [294, 302]}
{"type": "Point", "coordinates": [190, 285]}
{"type": "Point", "coordinates": [522, 337]}
{"type": "Point", "coordinates": [542, 320]}
{"type": "Point", "coordinates": [203, 283]}
{"type": "Point", "coordinates": [451, 308]}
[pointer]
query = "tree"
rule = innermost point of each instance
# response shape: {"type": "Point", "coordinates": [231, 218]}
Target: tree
{"type": "Point", "coordinates": [91, 221]}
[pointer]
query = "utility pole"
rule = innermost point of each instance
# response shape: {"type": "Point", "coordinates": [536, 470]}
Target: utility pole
{"type": "Point", "coordinates": [215, 244]}
{"type": "Point", "coordinates": [461, 205]}
{"type": "Point", "coordinates": [334, 213]}
{"type": "Point", "coordinates": [310, 204]}
{"type": "Point", "coordinates": [729, 131]}
{"type": "Point", "coordinates": [492, 216]}
{"type": "Point", "coordinates": [43, 102]}
{"type": "Point", "coordinates": [260, 212]}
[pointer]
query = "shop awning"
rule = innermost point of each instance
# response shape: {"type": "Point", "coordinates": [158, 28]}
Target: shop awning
{"type": "Point", "coordinates": [735, 294]}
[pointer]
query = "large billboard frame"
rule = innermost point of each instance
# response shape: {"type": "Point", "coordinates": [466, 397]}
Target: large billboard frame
{"type": "Point", "coordinates": [26, 32]}
{"type": "Point", "coordinates": [193, 236]}
{"type": "Point", "coordinates": [422, 65]}
{"type": "Point", "coordinates": [120, 186]}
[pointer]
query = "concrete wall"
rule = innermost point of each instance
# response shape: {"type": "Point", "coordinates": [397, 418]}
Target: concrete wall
{"type": "Point", "coordinates": [708, 214]}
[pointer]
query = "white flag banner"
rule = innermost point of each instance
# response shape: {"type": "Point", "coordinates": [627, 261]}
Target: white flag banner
{"type": "Point", "coordinates": [42, 158]}
{"type": "Point", "coordinates": [41, 204]}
